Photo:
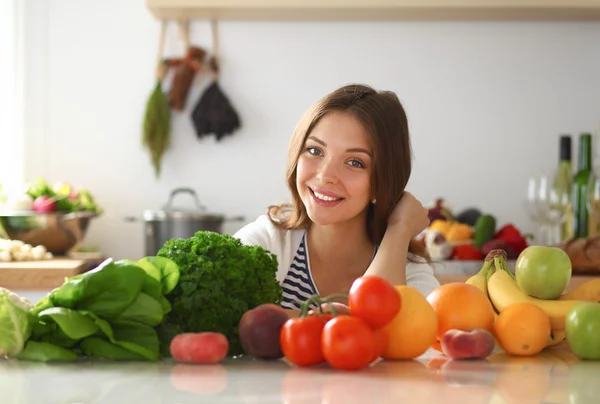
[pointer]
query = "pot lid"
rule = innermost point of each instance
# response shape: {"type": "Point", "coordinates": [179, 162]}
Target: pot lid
{"type": "Point", "coordinates": [171, 212]}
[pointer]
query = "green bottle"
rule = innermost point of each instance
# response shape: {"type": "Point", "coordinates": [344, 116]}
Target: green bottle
{"type": "Point", "coordinates": [580, 187]}
{"type": "Point", "coordinates": [562, 188]}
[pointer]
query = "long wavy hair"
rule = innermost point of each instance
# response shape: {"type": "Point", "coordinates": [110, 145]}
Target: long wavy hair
{"type": "Point", "coordinates": [384, 119]}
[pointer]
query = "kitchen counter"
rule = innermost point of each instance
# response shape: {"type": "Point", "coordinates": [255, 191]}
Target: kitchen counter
{"type": "Point", "coordinates": [555, 376]}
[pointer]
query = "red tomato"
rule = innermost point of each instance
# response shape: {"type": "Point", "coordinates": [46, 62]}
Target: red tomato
{"type": "Point", "coordinates": [381, 341]}
{"type": "Point", "coordinates": [374, 300]}
{"type": "Point", "coordinates": [348, 343]}
{"type": "Point", "coordinates": [300, 340]}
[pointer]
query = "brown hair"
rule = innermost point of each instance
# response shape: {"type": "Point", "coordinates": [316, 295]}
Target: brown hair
{"type": "Point", "coordinates": [384, 118]}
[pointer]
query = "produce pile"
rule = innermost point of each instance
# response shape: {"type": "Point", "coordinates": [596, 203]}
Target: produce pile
{"type": "Point", "coordinates": [208, 297]}
{"type": "Point", "coordinates": [132, 310]}
{"type": "Point", "coordinates": [469, 235]}
{"type": "Point", "coordinates": [41, 197]}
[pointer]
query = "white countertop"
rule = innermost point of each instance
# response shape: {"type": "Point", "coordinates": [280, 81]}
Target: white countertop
{"type": "Point", "coordinates": [554, 376]}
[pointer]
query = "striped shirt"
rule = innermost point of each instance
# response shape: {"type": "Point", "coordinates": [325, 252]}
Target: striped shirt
{"type": "Point", "coordinates": [298, 285]}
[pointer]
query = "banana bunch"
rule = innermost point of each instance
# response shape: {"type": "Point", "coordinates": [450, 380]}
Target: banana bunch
{"type": "Point", "coordinates": [587, 292]}
{"type": "Point", "coordinates": [498, 282]}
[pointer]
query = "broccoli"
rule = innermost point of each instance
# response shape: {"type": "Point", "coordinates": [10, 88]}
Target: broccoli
{"type": "Point", "coordinates": [220, 279]}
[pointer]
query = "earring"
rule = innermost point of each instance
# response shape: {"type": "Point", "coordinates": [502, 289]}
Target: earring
{"type": "Point", "coordinates": [373, 201]}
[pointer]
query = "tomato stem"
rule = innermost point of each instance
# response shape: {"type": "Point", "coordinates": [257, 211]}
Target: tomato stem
{"type": "Point", "coordinates": [335, 296]}
{"type": "Point", "coordinates": [304, 307]}
{"type": "Point", "coordinates": [331, 308]}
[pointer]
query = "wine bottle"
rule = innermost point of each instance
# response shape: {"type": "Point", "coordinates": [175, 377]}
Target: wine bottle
{"type": "Point", "coordinates": [580, 187]}
{"type": "Point", "coordinates": [562, 186]}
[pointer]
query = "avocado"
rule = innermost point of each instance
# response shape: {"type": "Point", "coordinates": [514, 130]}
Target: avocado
{"type": "Point", "coordinates": [468, 216]}
{"type": "Point", "coordinates": [485, 228]}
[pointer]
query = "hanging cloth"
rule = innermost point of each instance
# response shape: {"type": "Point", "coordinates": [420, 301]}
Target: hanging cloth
{"type": "Point", "coordinates": [185, 69]}
{"type": "Point", "coordinates": [214, 114]}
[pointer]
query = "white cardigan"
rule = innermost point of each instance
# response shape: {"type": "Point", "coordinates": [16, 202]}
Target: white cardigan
{"type": "Point", "coordinates": [284, 243]}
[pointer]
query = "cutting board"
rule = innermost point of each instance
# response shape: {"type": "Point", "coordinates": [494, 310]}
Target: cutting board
{"type": "Point", "coordinates": [39, 275]}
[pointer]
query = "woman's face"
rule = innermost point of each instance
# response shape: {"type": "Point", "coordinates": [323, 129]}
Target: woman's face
{"type": "Point", "coordinates": [334, 170]}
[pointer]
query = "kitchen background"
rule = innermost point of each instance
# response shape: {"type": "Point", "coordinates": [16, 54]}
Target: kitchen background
{"type": "Point", "coordinates": [486, 103]}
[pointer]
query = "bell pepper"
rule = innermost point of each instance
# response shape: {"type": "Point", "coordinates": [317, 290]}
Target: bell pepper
{"type": "Point", "coordinates": [513, 237]}
{"type": "Point", "coordinates": [466, 252]}
{"type": "Point", "coordinates": [459, 232]}
{"type": "Point", "coordinates": [443, 226]}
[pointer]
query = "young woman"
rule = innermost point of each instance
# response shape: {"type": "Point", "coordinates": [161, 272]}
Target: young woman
{"type": "Point", "coordinates": [348, 164]}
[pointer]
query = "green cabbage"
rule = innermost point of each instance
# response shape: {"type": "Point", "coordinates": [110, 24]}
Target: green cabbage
{"type": "Point", "coordinates": [15, 323]}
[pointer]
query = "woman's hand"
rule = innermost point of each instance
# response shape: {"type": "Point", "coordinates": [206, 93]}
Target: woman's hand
{"type": "Point", "coordinates": [409, 216]}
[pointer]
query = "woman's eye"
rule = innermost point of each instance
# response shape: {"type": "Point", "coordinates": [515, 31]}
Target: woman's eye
{"type": "Point", "coordinates": [356, 163]}
{"type": "Point", "coordinates": [314, 151]}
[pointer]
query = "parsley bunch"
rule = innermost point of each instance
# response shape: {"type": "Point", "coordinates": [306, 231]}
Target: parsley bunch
{"type": "Point", "coordinates": [220, 279]}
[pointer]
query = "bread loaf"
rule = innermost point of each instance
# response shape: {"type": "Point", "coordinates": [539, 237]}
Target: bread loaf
{"type": "Point", "coordinates": [584, 254]}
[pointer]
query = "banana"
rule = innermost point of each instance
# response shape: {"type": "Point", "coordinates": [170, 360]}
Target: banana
{"type": "Point", "coordinates": [504, 291]}
{"type": "Point", "coordinates": [587, 292]}
{"type": "Point", "coordinates": [479, 280]}
{"type": "Point", "coordinates": [556, 337]}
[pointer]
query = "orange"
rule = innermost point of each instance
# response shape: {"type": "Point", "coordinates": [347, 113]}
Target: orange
{"type": "Point", "coordinates": [437, 345]}
{"type": "Point", "coordinates": [522, 329]}
{"type": "Point", "coordinates": [461, 306]}
{"type": "Point", "coordinates": [413, 329]}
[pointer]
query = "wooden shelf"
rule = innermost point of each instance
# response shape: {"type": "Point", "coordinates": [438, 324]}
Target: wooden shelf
{"type": "Point", "coordinates": [40, 275]}
{"type": "Point", "coordinates": [381, 10]}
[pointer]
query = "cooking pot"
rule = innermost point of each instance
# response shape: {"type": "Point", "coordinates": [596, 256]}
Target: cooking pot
{"type": "Point", "coordinates": [172, 222]}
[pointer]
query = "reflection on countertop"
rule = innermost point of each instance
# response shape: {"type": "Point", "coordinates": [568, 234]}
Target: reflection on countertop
{"type": "Point", "coordinates": [553, 376]}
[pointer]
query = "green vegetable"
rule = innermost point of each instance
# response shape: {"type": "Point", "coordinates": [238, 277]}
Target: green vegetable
{"type": "Point", "coordinates": [219, 280]}
{"type": "Point", "coordinates": [485, 227]}
{"type": "Point", "coordinates": [84, 200]}
{"type": "Point", "coordinates": [106, 291]}
{"type": "Point", "coordinates": [73, 324]}
{"type": "Point", "coordinates": [144, 309]}
{"type": "Point", "coordinates": [101, 348]}
{"type": "Point", "coordinates": [110, 312]}
{"type": "Point", "coordinates": [157, 126]}
{"type": "Point", "coordinates": [44, 352]}
{"type": "Point", "coordinates": [15, 324]}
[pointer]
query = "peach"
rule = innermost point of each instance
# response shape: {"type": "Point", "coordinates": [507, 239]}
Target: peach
{"type": "Point", "coordinates": [473, 344]}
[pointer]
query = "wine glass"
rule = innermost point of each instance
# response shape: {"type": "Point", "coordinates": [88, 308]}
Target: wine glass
{"type": "Point", "coordinates": [547, 207]}
{"type": "Point", "coordinates": [594, 203]}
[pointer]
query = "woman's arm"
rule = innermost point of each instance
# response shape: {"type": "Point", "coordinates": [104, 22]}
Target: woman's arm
{"type": "Point", "coordinates": [392, 256]}
{"type": "Point", "coordinates": [293, 313]}
{"type": "Point", "coordinates": [408, 219]}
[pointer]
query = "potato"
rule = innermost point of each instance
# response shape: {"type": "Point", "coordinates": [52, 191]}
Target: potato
{"type": "Point", "coordinates": [203, 347]}
{"type": "Point", "coordinates": [259, 330]}
{"type": "Point", "coordinates": [458, 344]}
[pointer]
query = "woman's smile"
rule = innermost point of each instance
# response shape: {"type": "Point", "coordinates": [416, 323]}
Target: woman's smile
{"type": "Point", "coordinates": [324, 198]}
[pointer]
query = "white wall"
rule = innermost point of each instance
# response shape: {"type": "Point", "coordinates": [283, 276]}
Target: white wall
{"type": "Point", "coordinates": [486, 102]}
{"type": "Point", "coordinates": [11, 136]}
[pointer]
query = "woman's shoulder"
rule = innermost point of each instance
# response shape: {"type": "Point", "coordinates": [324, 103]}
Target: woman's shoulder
{"type": "Point", "coordinates": [263, 231]}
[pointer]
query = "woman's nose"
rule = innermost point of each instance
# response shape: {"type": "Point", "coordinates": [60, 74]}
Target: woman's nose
{"type": "Point", "coordinates": [327, 173]}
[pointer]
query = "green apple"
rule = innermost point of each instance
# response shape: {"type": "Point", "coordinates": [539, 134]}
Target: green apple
{"type": "Point", "coordinates": [582, 326]}
{"type": "Point", "coordinates": [543, 271]}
